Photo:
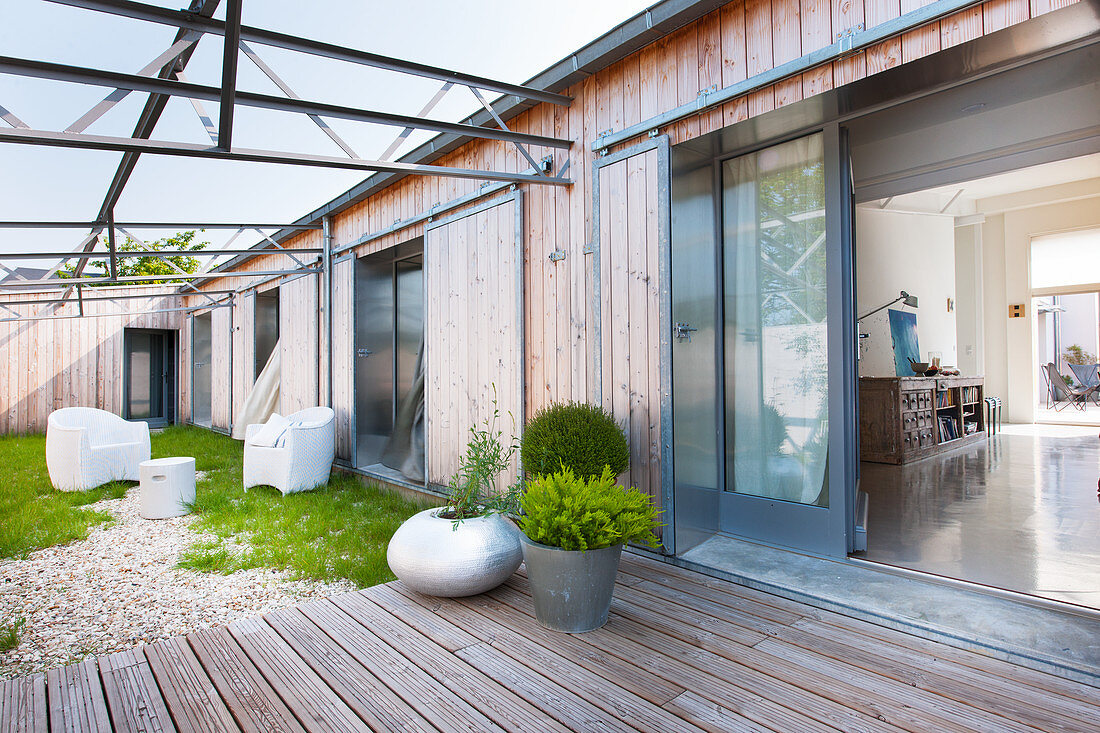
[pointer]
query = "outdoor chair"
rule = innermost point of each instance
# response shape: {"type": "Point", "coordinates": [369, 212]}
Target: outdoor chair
{"type": "Point", "coordinates": [300, 457]}
{"type": "Point", "coordinates": [1088, 375]}
{"type": "Point", "coordinates": [1078, 396]}
{"type": "Point", "coordinates": [86, 448]}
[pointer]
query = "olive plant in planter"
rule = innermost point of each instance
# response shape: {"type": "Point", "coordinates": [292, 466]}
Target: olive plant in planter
{"type": "Point", "coordinates": [574, 530]}
{"type": "Point", "coordinates": [466, 547]}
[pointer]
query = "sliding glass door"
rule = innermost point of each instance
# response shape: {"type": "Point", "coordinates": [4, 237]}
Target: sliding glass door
{"type": "Point", "coordinates": [780, 346]}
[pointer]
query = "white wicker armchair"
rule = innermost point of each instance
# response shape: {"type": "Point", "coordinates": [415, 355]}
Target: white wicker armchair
{"type": "Point", "coordinates": [86, 448]}
{"type": "Point", "coordinates": [302, 458]}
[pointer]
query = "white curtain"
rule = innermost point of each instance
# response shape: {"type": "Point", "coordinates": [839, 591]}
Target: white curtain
{"type": "Point", "coordinates": [775, 308]}
{"type": "Point", "coordinates": [263, 399]}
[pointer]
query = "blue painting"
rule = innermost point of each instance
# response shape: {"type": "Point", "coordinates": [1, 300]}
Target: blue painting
{"type": "Point", "coordinates": [903, 332]}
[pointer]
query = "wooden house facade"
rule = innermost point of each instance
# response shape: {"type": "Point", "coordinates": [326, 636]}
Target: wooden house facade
{"type": "Point", "coordinates": [534, 294]}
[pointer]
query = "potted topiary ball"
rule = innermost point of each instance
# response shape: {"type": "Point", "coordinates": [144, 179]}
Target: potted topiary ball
{"type": "Point", "coordinates": [581, 437]}
{"type": "Point", "coordinates": [574, 530]}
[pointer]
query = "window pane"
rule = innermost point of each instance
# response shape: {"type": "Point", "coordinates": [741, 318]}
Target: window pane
{"type": "Point", "coordinates": [777, 429]}
{"type": "Point", "coordinates": [1059, 260]}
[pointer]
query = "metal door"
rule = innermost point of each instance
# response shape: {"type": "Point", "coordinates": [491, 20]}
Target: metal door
{"type": "Point", "coordinates": [763, 360]}
{"type": "Point", "coordinates": [149, 374]}
{"type": "Point", "coordinates": [374, 311]}
{"type": "Point", "coordinates": [200, 369]}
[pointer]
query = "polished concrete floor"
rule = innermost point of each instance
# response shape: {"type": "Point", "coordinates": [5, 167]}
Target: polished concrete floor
{"type": "Point", "coordinates": [1019, 511]}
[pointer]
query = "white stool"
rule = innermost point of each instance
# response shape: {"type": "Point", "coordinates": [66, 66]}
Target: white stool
{"type": "Point", "coordinates": [167, 485]}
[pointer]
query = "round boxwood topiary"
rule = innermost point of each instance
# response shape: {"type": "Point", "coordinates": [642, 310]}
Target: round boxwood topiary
{"type": "Point", "coordinates": [579, 436]}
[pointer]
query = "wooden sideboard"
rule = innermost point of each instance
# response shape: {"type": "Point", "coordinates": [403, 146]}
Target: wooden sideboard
{"type": "Point", "coordinates": [903, 419]}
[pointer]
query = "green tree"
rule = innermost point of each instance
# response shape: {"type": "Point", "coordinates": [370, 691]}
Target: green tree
{"type": "Point", "coordinates": [148, 265]}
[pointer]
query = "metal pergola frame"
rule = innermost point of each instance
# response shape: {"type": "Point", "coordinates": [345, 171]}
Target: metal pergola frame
{"type": "Point", "coordinates": [163, 78]}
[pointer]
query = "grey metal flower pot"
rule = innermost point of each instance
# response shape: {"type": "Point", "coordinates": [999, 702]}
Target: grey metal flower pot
{"type": "Point", "coordinates": [434, 557]}
{"type": "Point", "coordinates": [571, 589]}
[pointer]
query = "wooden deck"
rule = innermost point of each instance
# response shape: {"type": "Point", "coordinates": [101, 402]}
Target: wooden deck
{"type": "Point", "coordinates": [681, 652]}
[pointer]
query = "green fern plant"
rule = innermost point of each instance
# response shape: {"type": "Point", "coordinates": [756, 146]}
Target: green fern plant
{"type": "Point", "coordinates": [563, 510]}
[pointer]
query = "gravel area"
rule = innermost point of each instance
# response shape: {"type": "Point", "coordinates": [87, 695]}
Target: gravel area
{"type": "Point", "coordinates": [120, 588]}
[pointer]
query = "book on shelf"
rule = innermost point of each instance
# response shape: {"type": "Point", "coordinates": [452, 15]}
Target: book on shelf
{"type": "Point", "coordinates": [949, 428]}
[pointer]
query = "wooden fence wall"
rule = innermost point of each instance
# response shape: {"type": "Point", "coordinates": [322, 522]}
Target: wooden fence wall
{"type": "Point", "coordinates": [299, 344]}
{"type": "Point", "coordinates": [473, 340]}
{"type": "Point", "coordinates": [730, 44]}
{"type": "Point", "coordinates": [71, 361]}
{"type": "Point", "coordinates": [343, 356]}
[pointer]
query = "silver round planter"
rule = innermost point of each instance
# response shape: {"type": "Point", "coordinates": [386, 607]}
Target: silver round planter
{"type": "Point", "coordinates": [571, 590]}
{"type": "Point", "coordinates": [434, 557]}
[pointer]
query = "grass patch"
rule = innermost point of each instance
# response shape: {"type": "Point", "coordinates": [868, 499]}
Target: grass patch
{"type": "Point", "coordinates": [33, 514]}
{"type": "Point", "coordinates": [339, 531]}
{"type": "Point", "coordinates": [9, 634]}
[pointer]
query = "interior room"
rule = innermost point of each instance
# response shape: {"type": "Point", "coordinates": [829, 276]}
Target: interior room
{"type": "Point", "coordinates": [981, 462]}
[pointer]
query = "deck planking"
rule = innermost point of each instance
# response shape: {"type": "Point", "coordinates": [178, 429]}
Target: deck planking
{"type": "Point", "coordinates": [681, 652]}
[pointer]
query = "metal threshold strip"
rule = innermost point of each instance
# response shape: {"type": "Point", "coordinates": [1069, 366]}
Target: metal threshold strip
{"type": "Point", "coordinates": [846, 45]}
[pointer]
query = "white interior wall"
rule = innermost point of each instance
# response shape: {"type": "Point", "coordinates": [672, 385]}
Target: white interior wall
{"type": "Point", "coordinates": [1011, 365]}
{"type": "Point", "coordinates": [904, 251]}
{"type": "Point", "coordinates": [969, 305]}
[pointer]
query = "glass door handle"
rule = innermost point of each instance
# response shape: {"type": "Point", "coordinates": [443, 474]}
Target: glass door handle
{"type": "Point", "coordinates": [682, 331]}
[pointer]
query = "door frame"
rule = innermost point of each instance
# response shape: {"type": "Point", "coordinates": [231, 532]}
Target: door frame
{"type": "Point", "coordinates": [170, 354]}
{"type": "Point", "coordinates": [193, 318]}
{"type": "Point", "coordinates": [403, 250]}
{"type": "Point", "coordinates": [662, 145]}
{"type": "Point", "coordinates": [834, 533]}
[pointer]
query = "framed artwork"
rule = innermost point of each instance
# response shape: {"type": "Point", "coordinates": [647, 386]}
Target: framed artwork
{"type": "Point", "coordinates": [903, 334]}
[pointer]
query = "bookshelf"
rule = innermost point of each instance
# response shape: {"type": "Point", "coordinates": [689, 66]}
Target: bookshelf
{"type": "Point", "coordinates": [903, 419]}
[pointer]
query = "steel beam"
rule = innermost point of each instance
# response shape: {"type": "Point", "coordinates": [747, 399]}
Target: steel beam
{"type": "Point", "coordinates": [842, 47]}
{"type": "Point", "coordinates": [200, 111]}
{"type": "Point", "coordinates": [82, 314]}
{"type": "Point", "coordinates": [157, 252]}
{"type": "Point", "coordinates": [149, 225]}
{"type": "Point", "coordinates": [147, 120]}
{"type": "Point", "coordinates": [131, 296]}
{"type": "Point", "coordinates": [183, 19]}
{"type": "Point", "coordinates": [500, 123]}
{"type": "Point", "coordinates": [7, 116]}
{"type": "Point", "coordinates": [326, 305]}
{"type": "Point", "coordinates": [113, 261]}
{"type": "Point", "coordinates": [135, 82]}
{"type": "Point", "coordinates": [192, 150]}
{"type": "Point", "coordinates": [70, 282]}
{"type": "Point", "coordinates": [404, 134]}
{"type": "Point", "coordinates": [153, 67]}
{"type": "Point", "coordinates": [230, 54]}
{"type": "Point", "coordinates": [285, 88]}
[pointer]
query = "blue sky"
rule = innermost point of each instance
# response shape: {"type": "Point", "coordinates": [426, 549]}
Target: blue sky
{"type": "Point", "coordinates": [506, 40]}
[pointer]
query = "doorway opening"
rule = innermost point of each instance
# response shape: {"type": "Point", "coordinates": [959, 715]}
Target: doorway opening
{"type": "Point", "coordinates": [389, 366]}
{"type": "Point", "coordinates": [266, 329]}
{"type": "Point", "coordinates": [149, 389]}
{"type": "Point", "coordinates": [201, 372]}
{"type": "Point", "coordinates": [986, 469]}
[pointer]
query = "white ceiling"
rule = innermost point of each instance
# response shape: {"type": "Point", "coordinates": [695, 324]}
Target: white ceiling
{"type": "Point", "coordinates": [948, 200]}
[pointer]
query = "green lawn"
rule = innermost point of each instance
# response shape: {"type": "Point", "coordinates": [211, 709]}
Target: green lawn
{"type": "Point", "coordinates": [339, 531]}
